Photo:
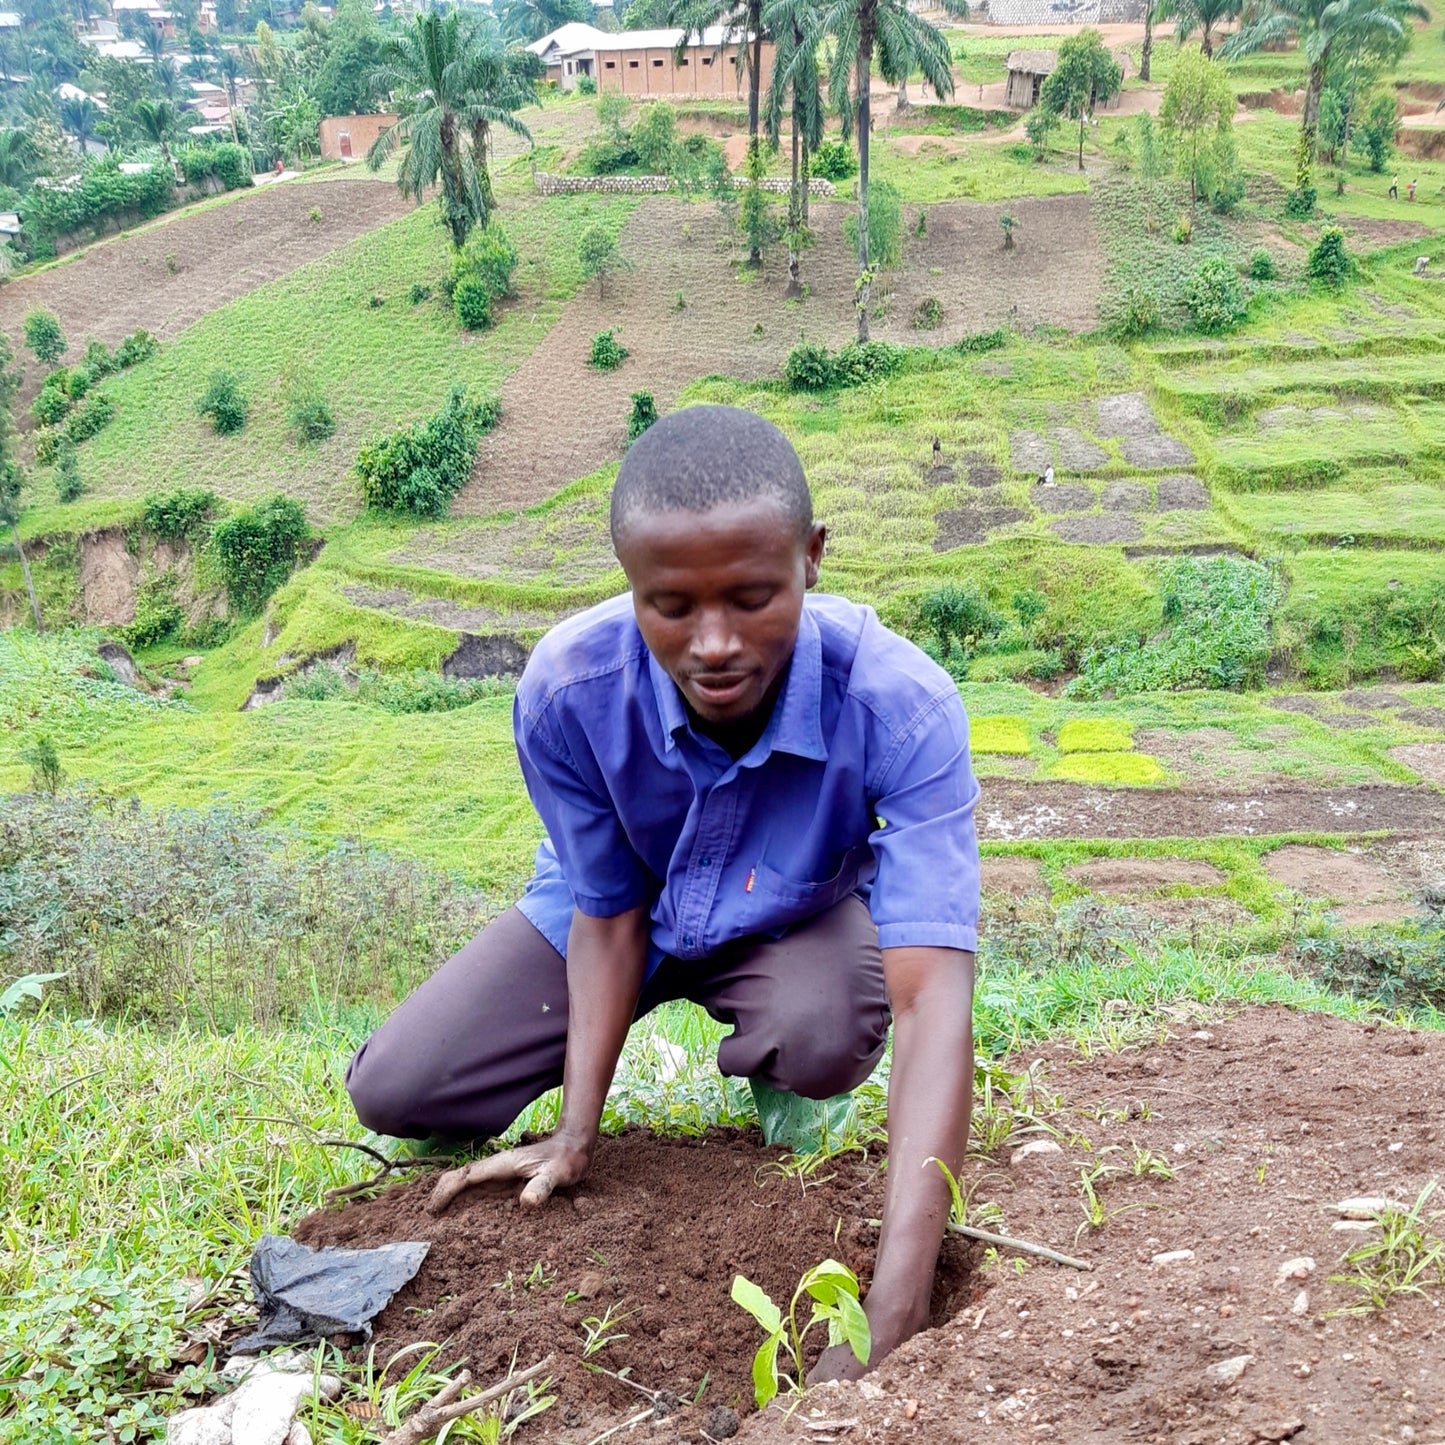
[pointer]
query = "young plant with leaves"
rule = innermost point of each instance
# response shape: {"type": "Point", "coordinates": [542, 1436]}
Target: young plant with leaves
{"type": "Point", "coordinates": [1198, 106]}
{"type": "Point", "coordinates": [1086, 75]}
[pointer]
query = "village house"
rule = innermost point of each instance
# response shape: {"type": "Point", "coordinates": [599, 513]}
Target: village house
{"type": "Point", "coordinates": [645, 63]}
{"type": "Point", "coordinates": [1027, 71]}
{"type": "Point", "coordinates": [349, 137]}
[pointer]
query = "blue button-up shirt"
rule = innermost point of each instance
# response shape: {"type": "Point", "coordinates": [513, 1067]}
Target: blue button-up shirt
{"type": "Point", "coordinates": [860, 782]}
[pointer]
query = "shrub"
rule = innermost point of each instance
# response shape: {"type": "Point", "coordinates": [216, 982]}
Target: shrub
{"type": "Point", "coordinates": [198, 164]}
{"type": "Point", "coordinates": [586, 85]}
{"type": "Point", "coordinates": [257, 548]}
{"type": "Point", "coordinates": [183, 512]}
{"type": "Point", "coordinates": [654, 137]}
{"type": "Point", "coordinates": [808, 368]}
{"type": "Point", "coordinates": [1008, 223]}
{"type": "Point", "coordinates": [102, 193]}
{"type": "Point", "coordinates": [642, 416]}
{"type": "Point", "coordinates": [93, 414]}
{"type": "Point", "coordinates": [607, 155]}
{"type": "Point", "coordinates": [1039, 126]}
{"type": "Point", "coordinates": [418, 292]}
{"type": "Point", "coordinates": [981, 341]}
{"type": "Point", "coordinates": [863, 361]}
{"type": "Point", "coordinates": [310, 414]}
{"type": "Point", "coordinates": [421, 467]}
{"type": "Point", "coordinates": [928, 314]}
{"type": "Point", "coordinates": [1214, 295]}
{"type": "Point", "coordinates": [48, 441]}
{"type": "Point", "coordinates": [1299, 205]}
{"type": "Point", "coordinates": [68, 485]}
{"type": "Point", "coordinates": [1139, 311]}
{"type": "Point", "coordinates": [488, 257]}
{"type": "Point", "coordinates": [959, 617]}
{"type": "Point", "coordinates": [1329, 262]}
{"type": "Point", "coordinates": [1262, 266]}
{"type": "Point", "coordinates": [834, 161]}
{"type": "Point", "coordinates": [1183, 232]}
{"type": "Point", "coordinates": [52, 403]}
{"type": "Point", "coordinates": [1378, 130]}
{"type": "Point", "coordinates": [472, 302]}
{"type": "Point", "coordinates": [233, 166]}
{"type": "Point", "coordinates": [224, 402]}
{"type": "Point", "coordinates": [44, 336]}
{"type": "Point", "coordinates": [158, 615]}
{"type": "Point", "coordinates": [611, 111]}
{"type": "Point", "coordinates": [607, 352]}
{"type": "Point", "coordinates": [1394, 971]}
{"type": "Point", "coordinates": [597, 252]}
{"type": "Point", "coordinates": [139, 346]}
{"type": "Point", "coordinates": [885, 226]}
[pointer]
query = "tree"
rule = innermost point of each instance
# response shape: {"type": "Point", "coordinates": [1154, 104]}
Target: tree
{"type": "Point", "coordinates": [18, 157]}
{"type": "Point", "coordinates": [902, 41]}
{"type": "Point", "coordinates": [295, 125]}
{"type": "Point", "coordinates": [232, 71]}
{"type": "Point", "coordinates": [529, 20]}
{"type": "Point", "coordinates": [343, 82]}
{"type": "Point", "coordinates": [1198, 104]}
{"type": "Point", "coordinates": [44, 337]}
{"type": "Point", "coordinates": [11, 476]}
{"type": "Point", "coordinates": [168, 79]}
{"type": "Point", "coordinates": [1320, 27]}
{"type": "Point", "coordinates": [796, 83]}
{"type": "Point", "coordinates": [437, 72]}
{"type": "Point", "coordinates": [79, 116]}
{"type": "Point", "coordinates": [598, 253]}
{"type": "Point", "coordinates": [154, 42]}
{"type": "Point", "coordinates": [1378, 129]}
{"type": "Point", "coordinates": [1086, 75]}
{"type": "Point", "coordinates": [157, 120]}
{"type": "Point", "coordinates": [1153, 10]}
{"type": "Point", "coordinates": [1200, 17]}
{"type": "Point", "coordinates": [499, 83]}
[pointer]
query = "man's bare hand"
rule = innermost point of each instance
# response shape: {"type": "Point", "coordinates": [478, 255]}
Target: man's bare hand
{"type": "Point", "coordinates": [555, 1163]}
{"type": "Point", "coordinates": [837, 1362]}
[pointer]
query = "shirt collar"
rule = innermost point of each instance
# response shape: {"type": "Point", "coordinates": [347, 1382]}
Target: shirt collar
{"type": "Point", "coordinates": [796, 725]}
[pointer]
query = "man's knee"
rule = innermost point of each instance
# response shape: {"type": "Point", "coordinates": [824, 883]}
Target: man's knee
{"type": "Point", "coordinates": [823, 1049]}
{"type": "Point", "coordinates": [387, 1100]}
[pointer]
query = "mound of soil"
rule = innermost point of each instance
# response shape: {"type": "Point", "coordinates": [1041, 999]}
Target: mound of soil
{"type": "Point", "coordinates": [1373, 697]}
{"type": "Point", "coordinates": [1182, 494]}
{"type": "Point", "coordinates": [1423, 717]}
{"type": "Point", "coordinates": [1051, 498]}
{"type": "Point", "coordinates": [1144, 875]}
{"type": "Point", "coordinates": [1326, 873]}
{"type": "Point", "coordinates": [1208, 1314]}
{"type": "Point", "coordinates": [1427, 759]}
{"type": "Point", "coordinates": [968, 526]}
{"type": "Point", "coordinates": [1015, 877]}
{"type": "Point", "coordinates": [1157, 451]}
{"type": "Point", "coordinates": [1348, 721]}
{"type": "Point", "coordinates": [1127, 497]}
{"type": "Point", "coordinates": [1127, 415]}
{"type": "Point", "coordinates": [1098, 531]}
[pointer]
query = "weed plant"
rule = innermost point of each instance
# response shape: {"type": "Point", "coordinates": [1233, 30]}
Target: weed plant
{"type": "Point", "coordinates": [1401, 969]}
{"type": "Point", "coordinates": [419, 690]}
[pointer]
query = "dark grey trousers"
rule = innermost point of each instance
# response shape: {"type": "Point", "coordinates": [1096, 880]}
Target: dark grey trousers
{"type": "Point", "coordinates": [487, 1033]}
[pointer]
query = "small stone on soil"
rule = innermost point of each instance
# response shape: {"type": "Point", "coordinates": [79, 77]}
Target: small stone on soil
{"type": "Point", "coordinates": [1301, 1267]}
{"type": "Point", "coordinates": [1366, 1206]}
{"type": "Point", "coordinates": [722, 1423]}
{"type": "Point", "coordinates": [1033, 1149]}
{"type": "Point", "coordinates": [1174, 1256]}
{"type": "Point", "coordinates": [1226, 1372]}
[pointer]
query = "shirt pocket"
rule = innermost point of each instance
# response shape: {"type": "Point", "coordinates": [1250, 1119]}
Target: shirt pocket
{"type": "Point", "coordinates": [803, 897]}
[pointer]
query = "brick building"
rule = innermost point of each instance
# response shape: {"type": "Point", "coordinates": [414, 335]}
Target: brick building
{"type": "Point", "coordinates": [349, 137]}
{"type": "Point", "coordinates": [645, 63]}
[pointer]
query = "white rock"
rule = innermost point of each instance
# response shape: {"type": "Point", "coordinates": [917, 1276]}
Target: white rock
{"type": "Point", "coordinates": [207, 1426]}
{"type": "Point", "coordinates": [870, 1389]}
{"type": "Point", "coordinates": [1354, 1226]}
{"type": "Point", "coordinates": [1033, 1149]}
{"type": "Point", "coordinates": [1302, 1267]}
{"type": "Point", "coordinates": [1301, 1305]}
{"type": "Point", "coordinates": [299, 1435]}
{"type": "Point", "coordinates": [1174, 1256]}
{"type": "Point", "coordinates": [1367, 1207]}
{"type": "Point", "coordinates": [287, 1362]}
{"type": "Point", "coordinates": [1226, 1372]}
{"type": "Point", "coordinates": [265, 1407]}
{"type": "Point", "coordinates": [1203, 1036]}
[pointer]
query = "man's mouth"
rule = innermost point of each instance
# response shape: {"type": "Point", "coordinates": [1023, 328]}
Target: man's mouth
{"type": "Point", "coordinates": [719, 689]}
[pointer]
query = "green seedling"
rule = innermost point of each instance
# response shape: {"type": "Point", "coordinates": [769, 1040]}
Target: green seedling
{"type": "Point", "coordinates": [833, 1291]}
{"type": "Point", "coordinates": [599, 1331]}
{"type": "Point", "coordinates": [960, 1210]}
{"type": "Point", "coordinates": [1407, 1256]}
{"type": "Point", "coordinates": [1145, 1162]}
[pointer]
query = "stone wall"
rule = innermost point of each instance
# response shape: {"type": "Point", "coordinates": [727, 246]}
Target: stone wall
{"type": "Point", "coordinates": [551, 185]}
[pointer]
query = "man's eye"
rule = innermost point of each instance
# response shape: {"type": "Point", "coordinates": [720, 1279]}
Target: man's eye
{"type": "Point", "coordinates": [754, 602]}
{"type": "Point", "coordinates": [671, 610]}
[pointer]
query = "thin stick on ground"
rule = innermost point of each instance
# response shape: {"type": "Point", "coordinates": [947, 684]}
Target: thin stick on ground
{"type": "Point", "coordinates": [444, 1407]}
{"type": "Point", "coordinates": [1005, 1241]}
{"type": "Point", "coordinates": [627, 1424]}
{"type": "Point", "coordinates": [389, 1166]}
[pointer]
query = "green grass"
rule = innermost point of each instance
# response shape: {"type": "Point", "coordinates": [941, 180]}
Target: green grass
{"type": "Point", "coordinates": [379, 366]}
{"type": "Point", "coordinates": [1110, 769]}
{"type": "Point", "coordinates": [1090, 735]}
{"type": "Point", "coordinates": [1007, 736]}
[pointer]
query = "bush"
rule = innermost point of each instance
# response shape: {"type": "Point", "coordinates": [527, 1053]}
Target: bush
{"type": "Point", "coordinates": [1299, 205]}
{"type": "Point", "coordinates": [139, 346]}
{"type": "Point", "coordinates": [257, 548]}
{"type": "Point", "coordinates": [68, 485]}
{"type": "Point", "coordinates": [1183, 232]}
{"type": "Point", "coordinates": [834, 161]}
{"type": "Point", "coordinates": [198, 164]}
{"type": "Point", "coordinates": [91, 416]}
{"type": "Point", "coordinates": [44, 336]}
{"type": "Point", "coordinates": [1262, 266]}
{"type": "Point", "coordinates": [885, 226]}
{"type": "Point", "coordinates": [1378, 130]}
{"type": "Point", "coordinates": [224, 402]}
{"type": "Point", "coordinates": [1139, 311]}
{"type": "Point", "coordinates": [48, 441]}
{"type": "Point", "coordinates": [158, 615]}
{"type": "Point", "coordinates": [977, 342]}
{"type": "Point", "coordinates": [488, 257]}
{"type": "Point", "coordinates": [607, 155]}
{"type": "Point", "coordinates": [808, 368]}
{"type": "Point", "coordinates": [233, 166]}
{"type": "Point", "coordinates": [1039, 126]}
{"type": "Point", "coordinates": [310, 414]}
{"type": "Point", "coordinates": [654, 137]}
{"type": "Point", "coordinates": [420, 468]}
{"type": "Point", "coordinates": [101, 194]}
{"type": "Point", "coordinates": [642, 416]}
{"type": "Point", "coordinates": [956, 617]}
{"type": "Point", "coordinates": [928, 314]}
{"type": "Point", "coordinates": [472, 301]}
{"type": "Point", "coordinates": [418, 292]}
{"type": "Point", "coordinates": [52, 404]}
{"type": "Point", "coordinates": [607, 352]}
{"type": "Point", "coordinates": [1329, 262]}
{"type": "Point", "coordinates": [598, 254]}
{"type": "Point", "coordinates": [1394, 971]}
{"type": "Point", "coordinates": [863, 361]}
{"type": "Point", "coordinates": [183, 512]}
{"type": "Point", "coordinates": [1214, 295]}
{"type": "Point", "coordinates": [586, 85]}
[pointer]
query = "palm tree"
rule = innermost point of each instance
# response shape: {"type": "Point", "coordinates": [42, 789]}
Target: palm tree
{"type": "Point", "coordinates": [442, 75]}
{"type": "Point", "coordinates": [232, 70]}
{"type": "Point", "coordinates": [155, 43]}
{"type": "Point", "coordinates": [1202, 16]}
{"type": "Point", "coordinates": [901, 42]}
{"type": "Point", "coordinates": [157, 122]}
{"type": "Point", "coordinates": [796, 81]}
{"type": "Point", "coordinates": [1153, 10]}
{"type": "Point", "coordinates": [1318, 26]}
{"type": "Point", "coordinates": [740, 20]}
{"type": "Point", "coordinates": [17, 157]}
{"type": "Point", "coordinates": [168, 78]}
{"type": "Point", "coordinates": [79, 115]}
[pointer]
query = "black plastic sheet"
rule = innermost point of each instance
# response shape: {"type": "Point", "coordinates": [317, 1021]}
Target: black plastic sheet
{"type": "Point", "coordinates": [307, 1294]}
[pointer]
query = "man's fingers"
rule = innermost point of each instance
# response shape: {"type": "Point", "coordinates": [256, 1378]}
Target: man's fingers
{"type": "Point", "coordinates": [538, 1190]}
{"type": "Point", "coordinates": [448, 1187]}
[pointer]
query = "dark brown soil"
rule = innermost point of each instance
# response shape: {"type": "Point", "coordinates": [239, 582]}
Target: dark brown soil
{"type": "Point", "coordinates": [1111, 529]}
{"type": "Point", "coordinates": [1055, 497]}
{"type": "Point", "coordinates": [1127, 497]}
{"type": "Point", "coordinates": [968, 526]}
{"type": "Point", "coordinates": [214, 256]}
{"type": "Point", "coordinates": [1423, 717]}
{"type": "Point", "coordinates": [656, 1233]}
{"type": "Point", "coordinates": [1263, 1121]}
{"type": "Point", "coordinates": [1144, 875]}
{"type": "Point", "coordinates": [1182, 494]}
{"type": "Point", "coordinates": [1012, 811]}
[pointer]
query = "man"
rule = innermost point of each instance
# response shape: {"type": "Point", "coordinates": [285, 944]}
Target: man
{"type": "Point", "coordinates": [724, 768]}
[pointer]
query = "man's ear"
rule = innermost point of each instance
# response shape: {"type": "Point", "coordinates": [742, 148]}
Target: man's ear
{"type": "Point", "coordinates": [813, 549]}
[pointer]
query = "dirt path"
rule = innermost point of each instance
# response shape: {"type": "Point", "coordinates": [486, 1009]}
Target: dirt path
{"type": "Point", "coordinates": [168, 276]}
{"type": "Point", "coordinates": [1016, 812]}
{"type": "Point", "coordinates": [1251, 1129]}
{"type": "Point", "coordinates": [563, 419]}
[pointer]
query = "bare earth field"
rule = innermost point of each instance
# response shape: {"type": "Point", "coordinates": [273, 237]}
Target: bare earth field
{"type": "Point", "coordinates": [170, 275]}
{"type": "Point", "coordinates": [563, 418]}
{"type": "Point", "coordinates": [1208, 1315]}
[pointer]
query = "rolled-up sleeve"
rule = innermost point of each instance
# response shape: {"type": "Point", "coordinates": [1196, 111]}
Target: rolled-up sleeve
{"type": "Point", "coordinates": [602, 868]}
{"type": "Point", "coordinates": [925, 892]}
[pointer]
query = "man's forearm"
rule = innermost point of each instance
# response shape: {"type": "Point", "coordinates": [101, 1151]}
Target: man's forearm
{"type": "Point", "coordinates": [606, 960]}
{"type": "Point", "coordinates": [930, 1092]}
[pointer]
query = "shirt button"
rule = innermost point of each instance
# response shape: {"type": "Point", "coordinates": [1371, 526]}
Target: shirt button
{"type": "Point", "coordinates": [707, 862]}
{"type": "Point", "coordinates": [688, 940]}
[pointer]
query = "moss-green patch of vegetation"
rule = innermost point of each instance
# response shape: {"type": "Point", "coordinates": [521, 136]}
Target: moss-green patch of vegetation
{"type": "Point", "coordinates": [1008, 736]}
{"type": "Point", "coordinates": [1096, 735]}
{"type": "Point", "coordinates": [1117, 769]}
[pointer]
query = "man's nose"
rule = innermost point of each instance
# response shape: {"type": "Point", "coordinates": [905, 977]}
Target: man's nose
{"type": "Point", "coordinates": [714, 642]}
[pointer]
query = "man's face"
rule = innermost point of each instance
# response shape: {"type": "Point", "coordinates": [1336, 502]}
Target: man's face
{"type": "Point", "coordinates": [718, 597]}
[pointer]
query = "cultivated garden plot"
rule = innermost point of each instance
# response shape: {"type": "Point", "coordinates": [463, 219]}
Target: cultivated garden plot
{"type": "Point", "coordinates": [1201, 1173]}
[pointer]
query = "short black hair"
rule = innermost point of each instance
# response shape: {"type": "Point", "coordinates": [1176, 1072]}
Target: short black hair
{"type": "Point", "coordinates": [710, 456]}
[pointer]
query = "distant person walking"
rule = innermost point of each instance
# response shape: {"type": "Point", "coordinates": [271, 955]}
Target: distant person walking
{"type": "Point", "coordinates": [1410, 191]}
{"type": "Point", "coordinates": [1395, 189]}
